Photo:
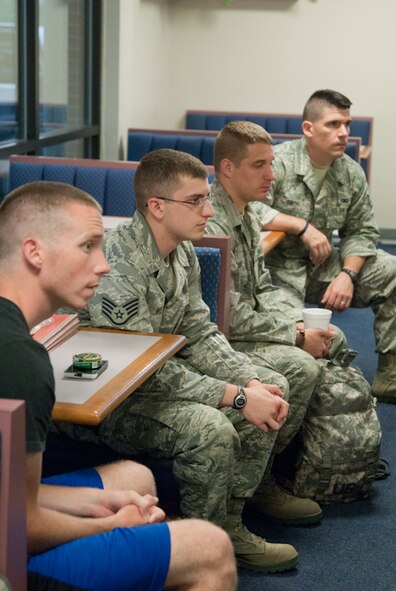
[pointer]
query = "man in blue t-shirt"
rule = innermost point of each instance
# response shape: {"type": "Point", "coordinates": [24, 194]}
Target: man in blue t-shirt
{"type": "Point", "coordinates": [100, 528]}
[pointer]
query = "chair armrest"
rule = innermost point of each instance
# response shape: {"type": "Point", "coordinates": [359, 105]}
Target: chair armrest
{"type": "Point", "coordinates": [13, 554]}
{"type": "Point", "coordinates": [271, 238]}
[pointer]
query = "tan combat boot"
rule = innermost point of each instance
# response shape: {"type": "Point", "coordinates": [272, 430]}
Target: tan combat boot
{"type": "Point", "coordinates": [279, 505]}
{"type": "Point", "coordinates": [384, 385]}
{"type": "Point", "coordinates": [255, 553]}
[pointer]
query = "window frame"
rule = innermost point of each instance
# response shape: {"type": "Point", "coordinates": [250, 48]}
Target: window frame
{"type": "Point", "coordinates": [28, 86]}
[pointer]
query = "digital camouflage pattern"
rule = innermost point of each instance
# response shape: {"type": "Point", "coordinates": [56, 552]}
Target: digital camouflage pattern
{"type": "Point", "coordinates": [217, 454]}
{"type": "Point", "coordinates": [344, 204]}
{"type": "Point", "coordinates": [259, 310]}
{"type": "Point", "coordinates": [262, 325]}
{"type": "Point", "coordinates": [340, 439]}
{"type": "Point", "coordinates": [262, 320]}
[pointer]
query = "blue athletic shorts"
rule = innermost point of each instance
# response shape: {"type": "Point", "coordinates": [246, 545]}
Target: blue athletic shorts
{"type": "Point", "coordinates": [125, 559]}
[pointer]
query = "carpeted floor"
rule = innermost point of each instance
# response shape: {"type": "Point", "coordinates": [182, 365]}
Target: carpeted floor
{"type": "Point", "coordinates": [354, 548]}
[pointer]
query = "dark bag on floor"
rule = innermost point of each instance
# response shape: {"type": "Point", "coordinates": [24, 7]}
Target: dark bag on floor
{"type": "Point", "coordinates": [339, 442]}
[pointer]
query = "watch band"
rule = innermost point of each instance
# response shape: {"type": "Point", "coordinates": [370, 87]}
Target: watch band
{"type": "Point", "coordinates": [352, 274]}
{"type": "Point", "coordinates": [304, 229]}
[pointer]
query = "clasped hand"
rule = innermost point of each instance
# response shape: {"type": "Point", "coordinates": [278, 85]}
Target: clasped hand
{"type": "Point", "coordinates": [265, 406]}
{"type": "Point", "coordinates": [128, 508]}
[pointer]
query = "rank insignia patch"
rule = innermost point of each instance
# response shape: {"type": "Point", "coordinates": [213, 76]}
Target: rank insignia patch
{"type": "Point", "coordinates": [120, 315]}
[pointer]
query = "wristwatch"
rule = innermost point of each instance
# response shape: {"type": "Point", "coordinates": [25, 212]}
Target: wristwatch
{"type": "Point", "coordinates": [352, 274]}
{"type": "Point", "coordinates": [240, 399]}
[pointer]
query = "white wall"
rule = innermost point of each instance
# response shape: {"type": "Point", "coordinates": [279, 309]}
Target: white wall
{"type": "Point", "coordinates": [261, 55]}
{"type": "Point", "coordinates": [136, 52]}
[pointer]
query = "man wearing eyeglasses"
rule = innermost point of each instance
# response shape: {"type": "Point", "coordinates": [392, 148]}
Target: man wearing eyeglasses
{"type": "Point", "coordinates": [208, 408]}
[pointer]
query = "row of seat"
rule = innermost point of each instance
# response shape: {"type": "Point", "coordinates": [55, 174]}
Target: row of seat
{"type": "Point", "coordinates": [48, 112]}
{"type": "Point", "coordinates": [111, 184]}
{"type": "Point", "coordinates": [51, 116]}
{"type": "Point", "coordinates": [280, 123]}
{"type": "Point", "coordinates": [200, 143]}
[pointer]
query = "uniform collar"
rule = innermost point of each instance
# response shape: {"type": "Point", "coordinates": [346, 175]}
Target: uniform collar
{"type": "Point", "coordinates": [220, 196]}
{"type": "Point", "coordinates": [147, 244]}
{"type": "Point", "coordinates": [303, 166]}
{"type": "Point", "coordinates": [241, 221]}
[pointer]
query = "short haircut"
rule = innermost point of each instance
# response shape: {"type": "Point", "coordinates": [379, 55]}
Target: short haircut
{"type": "Point", "coordinates": [234, 138]}
{"type": "Point", "coordinates": [36, 209]}
{"type": "Point", "coordinates": [314, 106]}
{"type": "Point", "coordinates": [160, 173]}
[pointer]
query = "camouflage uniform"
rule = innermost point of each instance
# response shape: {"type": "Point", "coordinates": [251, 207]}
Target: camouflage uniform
{"type": "Point", "coordinates": [263, 321]}
{"type": "Point", "coordinates": [263, 325]}
{"type": "Point", "coordinates": [217, 453]}
{"type": "Point", "coordinates": [343, 203]}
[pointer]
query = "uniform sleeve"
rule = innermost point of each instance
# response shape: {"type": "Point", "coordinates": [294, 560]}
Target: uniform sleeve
{"type": "Point", "coordinates": [208, 350]}
{"type": "Point", "coordinates": [265, 214]}
{"type": "Point", "coordinates": [360, 233]}
{"type": "Point", "coordinates": [259, 311]}
{"type": "Point", "coordinates": [121, 302]}
{"type": "Point", "coordinates": [264, 317]}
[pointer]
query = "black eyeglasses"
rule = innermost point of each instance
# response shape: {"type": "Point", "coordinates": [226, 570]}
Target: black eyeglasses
{"type": "Point", "coordinates": [197, 202]}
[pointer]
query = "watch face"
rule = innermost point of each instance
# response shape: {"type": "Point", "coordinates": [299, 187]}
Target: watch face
{"type": "Point", "coordinates": [240, 401]}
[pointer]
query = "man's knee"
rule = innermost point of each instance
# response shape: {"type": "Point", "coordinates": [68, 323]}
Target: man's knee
{"type": "Point", "coordinates": [273, 378]}
{"type": "Point", "coordinates": [301, 366]}
{"type": "Point", "coordinates": [128, 475]}
{"type": "Point", "coordinates": [220, 556]}
{"type": "Point", "coordinates": [213, 430]}
{"type": "Point", "coordinates": [201, 551]}
{"type": "Point", "coordinates": [218, 544]}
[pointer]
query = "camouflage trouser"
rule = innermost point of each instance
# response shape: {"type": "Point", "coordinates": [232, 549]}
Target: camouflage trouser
{"type": "Point", "coordinates": [376, 288]}
{"type": "Point", "coordinates": [216, 454]}
{"type": "Point", "coordinates": [310, 381]}
{"type": "Point", "coordinates": [301, 371]}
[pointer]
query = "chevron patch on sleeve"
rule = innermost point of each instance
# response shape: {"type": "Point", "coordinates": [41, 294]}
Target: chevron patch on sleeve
{"type": "Point", "coordinates": [120, 315]}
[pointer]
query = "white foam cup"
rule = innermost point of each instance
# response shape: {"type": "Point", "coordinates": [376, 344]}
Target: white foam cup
{"type": "Point", "coordinates": [316, 318]}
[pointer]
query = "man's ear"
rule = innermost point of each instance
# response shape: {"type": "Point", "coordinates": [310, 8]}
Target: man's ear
{"type": "Point", "coordinates": [226, 167]}
{"type": "Point", "coordinates": [155, 207]}
{"type": "Point", "coordinates": [307, 128]}
{"type": "Point", "coordinates": [32, 252]}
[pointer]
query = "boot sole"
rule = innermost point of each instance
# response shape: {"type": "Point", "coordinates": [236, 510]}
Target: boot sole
{"type": "Point", "coordinates": [270, 568]}
{"type": "Point", "coordinates": [299, 522]}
